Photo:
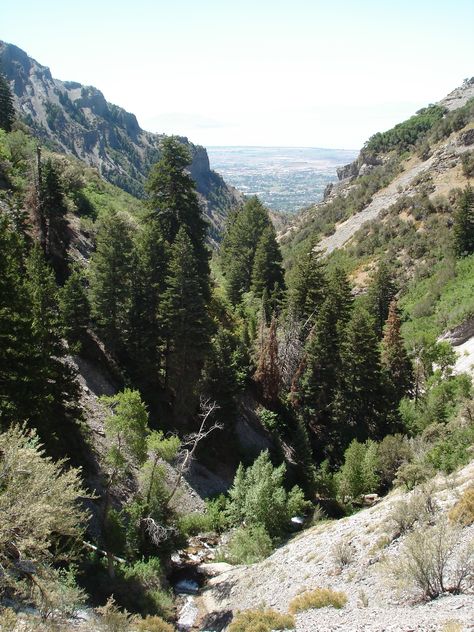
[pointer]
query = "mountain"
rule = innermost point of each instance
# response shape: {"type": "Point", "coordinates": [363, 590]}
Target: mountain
{"type": "Point", "coordinates": [77, 120]}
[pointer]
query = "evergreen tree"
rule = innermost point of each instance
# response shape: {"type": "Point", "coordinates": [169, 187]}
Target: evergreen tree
{"type": "Point", "coordinates": [145, 330]}
{"type": "Point", "coordinates": [267, 271]}
{"type": "Point", "coordinates": [239, 246]}
{"type": "Point", "coordinates": [186, 323]}
{"type": "Point", "coordinates": [267, 375]}
{"type": "Point", "coordinates": [464, 224]}
{"type": "Point", "coordinates": [54, 391]}
{"type": "Point", "coordinates": [16, 337]}
{"type": "Point", "coordinates": [7, 111]}
{"type": "Point", "coordinates": [361, 397]}
{"type": "Point", "coordinates": [110, 279]}
{"type": "Point", "coordinates": [308, 287]}
{"type": "Point", "coordinates": [53, 211]}
{"type": "Point", "coordinates": [381, 293]}
{"type": "Point", "coordinates": [395, 359]}
{"type": "Point", "coordinates": [75, 308]}
{"type": "Point", "coordinates": [220, 381]}
{"type": "Point", "coordinates": [174, 203]}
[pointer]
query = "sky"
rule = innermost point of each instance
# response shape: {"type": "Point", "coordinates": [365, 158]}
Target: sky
{"type": "Point", "coordinates": [299, 73]}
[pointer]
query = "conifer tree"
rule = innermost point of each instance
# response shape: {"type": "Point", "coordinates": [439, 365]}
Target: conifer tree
{"type": "Point", "coordinates": [16, 338]}
{"type": "Point", "coordinates": [308, 287]}
{"type": "Point", "coordinates": [464, 224]}
{"type": "Point", "coordinates": [53, 210]}
{"type": "Point", "coordinates": [110, 279]}
{"type": "Point", "coordinates": [7, 111]}
{"type": "Point", "coordinates": [174, 203]}
{"type": "Point", "coordinates": [395, 359]}
{"type": "Point", "coordinates": [267, 271]}
{"type": "Point", "coordinates": [186, 323]}
{"type": "Point", "coordinates": [75, 308]}
{"type": "Point", "coordinates": [361, 397]}
{"type": "Point", "coordinates": [239, 246]}
{"type": "Point", "coordinates": [145, 330]}
{"type": "Point", "coordinates": [54, 391]}
{"type": "Point", "coordinates": [220, 382]}
{"type": "Point", "coordinates": [380, 294]}
{"type": "Point", "coordinates": [267, 375]}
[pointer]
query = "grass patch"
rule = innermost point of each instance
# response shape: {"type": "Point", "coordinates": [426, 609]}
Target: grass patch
{"type": "Point", "coordinates": [261, 621]}
{"type": "Point", "coordinates": [319, 598]}
{"type": "Point", "coordinates": [463, 510]}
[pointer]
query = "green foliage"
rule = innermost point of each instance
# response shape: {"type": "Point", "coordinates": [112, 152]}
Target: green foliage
{"type": "Point", "coordinates": [318, 598]}
{"type": "Point", "coordinates": [153, 624]}
{"type": "Point", "coordinates": [392, 452]}
{"type": "Point", "coordinates": [248, 545]}
{"type": "Point", "coordinates": [308, 286]}
{"type": "Point", "coordinates": [257, 497]}
{"type": "Point", "coordinates": [75, 308]}
{"type": "Point", "coordinates": [41, 516]}
{"type": "Point", "coordinates": [406, 134]}
{"type": "Point", "coordinates": [467, 162]}
{"type": "Point", "coordinates": [110, 278]}
{"type": "Point", "coordinates": [7, 111]}
{"type": "Point", "coordinates": [245, 229]}
{"type": "Point", "coordinates": [267, 271]}
{"type": "Point", "coordinates": [453, 449]}
{"type": "Point", "coordinates": [380, 294]}
{"type": "Point", "coordinates": [464, 224]}
{"type": "Point", "coordinates": [126, 428]}
{"type": "Point", "coordinates": [358, 474]}
{"type": "Point", "coordinates": [261, 621]}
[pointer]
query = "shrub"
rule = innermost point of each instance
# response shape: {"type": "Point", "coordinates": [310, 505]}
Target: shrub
{"type": "Point", "coordinates": [248, 545]}
{"type": "Point", "coordinates": [258, 497]}
{"type": "Point", "coordinates": [343, 553]}
{"type": "Point", "coordinates": [412, 474]}
{"type": "Point", "coordinates": [140, 588]}
{"type": "Point", "coordinates": [112, 619]}
{"type": "Point", "coordinates": [358, 474]}
{"type": "Point", "coordinates": [261, 621]}
{"type": "Point", "coordinates": [153, 624]}
{"type": "Point", "coordinates": [431, 562]}
{"type": "Point", "coordinates": [463, 510]}
{"type": "Point", "coordinates": [319, 598]}
{"type": "Point", "coordinates": [392, 452]}
{"type": "Point", "coordinates": [194, 523]}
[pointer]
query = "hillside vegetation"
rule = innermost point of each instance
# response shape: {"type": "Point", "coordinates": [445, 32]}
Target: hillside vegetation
{"type": "Point", "coordinates": [305, 385]}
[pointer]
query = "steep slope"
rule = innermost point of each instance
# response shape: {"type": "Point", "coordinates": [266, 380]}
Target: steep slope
{"type": "Point", "coordinates": [386, 171]}
{"type": "Point", "coordinates": [313, 559]}
{"type": "Point", "coordinates": [77, 120]}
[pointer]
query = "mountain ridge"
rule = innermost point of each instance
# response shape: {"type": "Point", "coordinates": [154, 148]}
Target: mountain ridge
{"type": "Point", "coordinates": [78, 120]}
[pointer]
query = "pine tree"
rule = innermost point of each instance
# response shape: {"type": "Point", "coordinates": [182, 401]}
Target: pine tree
{"type": "Point", "coordinates": [53, 210]}
{"type": "Point", "coordinates": [75, 308]}
{"type": "Point", "coordinates": [54, 391]}
{"type": "Point", "coordinates": [174, 203]}
{"type": "Point", "coordinates": [16, 337]}
{"type": "Point", "coordinates": [220, 382]}
{"type": "Point", "coordinates": [145, 330]}
{"type": "Point", "coordinates": [267, 271]}
{"type": "Point", "coordinates": [267, 375]}
{"type": "Point", "coordinates": [464, 224]}
{"type": "Point", "coordinates": [110, 279]}
{"type": "Point", "coordinates": [186, 323]}
{"type": "Point", "coordinates": [308, 287]}
{"type": "Point", "coordinates": [7, 111]}
{"type": "Point", "coordinates": [239, 245]}
{"type": "Point", "coordinates": [361, 398]}
{"type": "Point", "coordinates": [381, 293]}
{"type": "Point", "coordinates": [395, 359]}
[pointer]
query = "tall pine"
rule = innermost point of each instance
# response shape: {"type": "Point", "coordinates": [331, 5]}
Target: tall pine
{"type": "Point", "coordinates": [267, 270]}
{"type": "Point", "coordinates": [267, 375]}
{"type": "Point", "coordinates": [395, 359]}
{"type": "Point", "coordinates": [7, 111]}
{"type": "Point", "coordinates": [308, 287]}
{"type": "Point", "coordinates": [381, 293]}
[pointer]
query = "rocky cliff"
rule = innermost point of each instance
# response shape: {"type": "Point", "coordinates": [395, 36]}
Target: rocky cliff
{"type": "Point", "coordinates": [77, 120]}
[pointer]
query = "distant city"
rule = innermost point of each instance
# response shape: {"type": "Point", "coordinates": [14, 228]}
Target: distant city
{"type": "Point", "coordinates": [285, 178]}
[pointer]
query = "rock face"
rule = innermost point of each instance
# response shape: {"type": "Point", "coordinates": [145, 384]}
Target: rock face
{"type": "Point", "coordinates": [77, 120]}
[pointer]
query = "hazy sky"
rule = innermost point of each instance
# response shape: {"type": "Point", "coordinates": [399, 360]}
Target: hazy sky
{"type": "Point", "coordinates": [255, 72]}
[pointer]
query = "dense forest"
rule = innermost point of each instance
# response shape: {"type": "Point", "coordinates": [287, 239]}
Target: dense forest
{"type": "Point", "coordinates": [351, 397]}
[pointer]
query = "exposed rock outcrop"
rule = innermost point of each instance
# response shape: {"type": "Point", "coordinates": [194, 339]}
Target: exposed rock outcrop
{"type": "Point", "coordinates": [77, 120]}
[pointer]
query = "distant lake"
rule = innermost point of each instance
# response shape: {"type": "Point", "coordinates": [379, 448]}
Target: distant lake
{"type": "Point", "coordinates": [285, 178]}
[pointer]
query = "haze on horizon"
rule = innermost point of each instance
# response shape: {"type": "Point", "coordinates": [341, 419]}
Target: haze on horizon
{"type": "Point", "coordinates": [304, 73]}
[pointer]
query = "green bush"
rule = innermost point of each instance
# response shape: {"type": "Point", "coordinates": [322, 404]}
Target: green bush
{"type": "Point", "coordinates": [319, 598]}
{"type": "Point", "coordinates": [258, 497]}
{"type": "Point", "coordinates": [392, 452]}
{"type": "Point", "coordinates": [261, 621]}
{"type": "Point", "coordinates": [453, 450]}
{"type": "Point", "coordinates": [358, 474]}
{"type": "Point", "coordinates": [248, 545]}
